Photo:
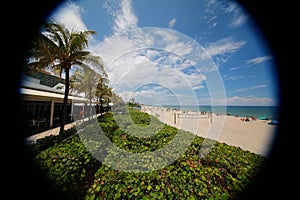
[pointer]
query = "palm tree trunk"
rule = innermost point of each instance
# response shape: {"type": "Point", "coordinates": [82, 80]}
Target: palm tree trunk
{"type": "Point", "coordinates": [65, 102]}
{"type": "Point", "coordinates": [90, 108]}
{"type": "Point", "coordinates": [101, 104]}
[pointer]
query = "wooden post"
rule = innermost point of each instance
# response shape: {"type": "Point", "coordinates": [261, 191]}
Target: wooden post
{"type": "Point", "coordinates": [174, 118]}
{"type": "Point", "coordinates": [51, 113]}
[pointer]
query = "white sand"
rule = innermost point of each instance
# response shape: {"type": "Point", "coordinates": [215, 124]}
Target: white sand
{"type": "Point", "coordinates": [256, 136]}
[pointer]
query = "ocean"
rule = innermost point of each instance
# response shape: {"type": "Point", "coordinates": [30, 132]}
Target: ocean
{"type": "Point", "coordinates": [271, 112]}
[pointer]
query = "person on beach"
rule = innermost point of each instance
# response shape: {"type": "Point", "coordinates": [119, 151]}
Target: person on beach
{"type": "Point", "coordinates": [245, 119]}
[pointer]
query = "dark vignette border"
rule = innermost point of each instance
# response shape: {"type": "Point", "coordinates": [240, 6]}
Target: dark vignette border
{"type": "Point", "coordinates": [21, 23]}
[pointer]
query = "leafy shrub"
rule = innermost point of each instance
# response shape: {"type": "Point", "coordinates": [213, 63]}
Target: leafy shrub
{"type": "Point", "coordinates": [68, 166]}
{"type": "Point", "coordinates": [222, 174]}
{"type": "Point", "coordinates": [42, 144]}
{"type": "Point", "coordinates": [139, 117]}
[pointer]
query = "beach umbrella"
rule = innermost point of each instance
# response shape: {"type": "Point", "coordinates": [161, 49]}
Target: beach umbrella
{"type": "Point", "coordinates": [263, 118]}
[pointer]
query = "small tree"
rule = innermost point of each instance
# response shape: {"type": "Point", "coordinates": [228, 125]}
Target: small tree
{"type": "Point", "coordinates": [103, 90]}
{"type": "Point", "coordinates": [86, 81]}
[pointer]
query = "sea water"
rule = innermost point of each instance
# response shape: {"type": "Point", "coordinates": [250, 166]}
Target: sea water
{"type": "Point", "coordinates": [271, 112]}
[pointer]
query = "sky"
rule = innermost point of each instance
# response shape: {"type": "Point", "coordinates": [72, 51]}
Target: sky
{"type": "Point", "coordinates": [177, 52]}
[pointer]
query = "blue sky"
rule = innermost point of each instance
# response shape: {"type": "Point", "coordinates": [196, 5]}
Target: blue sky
{"type": "Point", "coordinates": [187, 52]}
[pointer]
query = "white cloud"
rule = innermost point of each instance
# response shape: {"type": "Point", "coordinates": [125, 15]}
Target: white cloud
{"type": "Point", "coordinates": [113, 47]}
{"type": "Point", "coordinates": [198, 87]}
{"type": "Point", "coordinates": [234, 68]}
{"type": "Point", "coordinates": [172, 23]}
{"type": "Point", "coordinates": [258, 60]}
{"type": "Point", "coordinates": [224, 46]}
{"type": "Point", "coordinates": [233, 78]}
{"type": "Point", "coordinates": [231, 8]}
{"type": "Point", "coordinates": [251, 62]}
{"type": "Point", "coordinates": [154, 92]}
{"type": "Point", "coordinates": [213, 22]}
{"type": "Point", "coordinates": [238, 21]}
{"type": "Point", "coordinates": [69, 14]}
{"type": "Point", "coordinates": [238, 14]}
{"type": "Point", "coordinates": [212, 19]}
{"type": "Point", "coordinates": [238, 101]}
{"type": "Point", "coordinates": [250, 101]}
{"type": "Point", "coordinates": [134, 69]}
{"type": "Point", "coordinates": [124, 17]}
{"type": "Point", "coordinates": [214, 25]}
{"type": "Point", "coordinates": [159, 94]}
{"type": "Point", "coordinates": [138, 68]}
{"type": "Point", "coordinates": [221, 50]}
{"type": "Point", "coordinates": [134, 57]}
{"type": "Point", "coordinates": [249, 88]}
{"type": "Point", "coordinates": [178, 50]}
{"type": "Point", "coordinates": [159, 56]}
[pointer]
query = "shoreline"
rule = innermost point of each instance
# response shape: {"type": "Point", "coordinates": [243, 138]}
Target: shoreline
{"type": "Point", "coordinates": [231, 110]}
{"type": "Point", "coordinates": [255, 135]}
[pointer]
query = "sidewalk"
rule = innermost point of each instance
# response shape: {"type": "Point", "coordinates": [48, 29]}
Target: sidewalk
{"type": "Point", "coordinates": [54, 131]}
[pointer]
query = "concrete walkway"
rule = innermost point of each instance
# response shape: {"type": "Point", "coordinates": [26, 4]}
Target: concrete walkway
{"type": "Point", "coordinates": [54, 131]}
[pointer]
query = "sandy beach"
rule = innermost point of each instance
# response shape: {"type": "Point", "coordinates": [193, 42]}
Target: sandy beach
{"type": "Point", "coordinates": [254, 135]}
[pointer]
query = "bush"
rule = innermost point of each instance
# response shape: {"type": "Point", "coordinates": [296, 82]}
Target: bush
{"type": "Point", "coordinates": [68, 166]}
{"type": "Point", "coordinates": [222, 174]}
{"type": "Point", "coordinates": [44, 143]}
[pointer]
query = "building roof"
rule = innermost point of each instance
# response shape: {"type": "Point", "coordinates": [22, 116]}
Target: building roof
{"type": "Point", "coordinates": [35, 84]}
{"type": "Point", "coordinates": [42, 81]}
{"type": "Point", "coordinates": [46, 78]}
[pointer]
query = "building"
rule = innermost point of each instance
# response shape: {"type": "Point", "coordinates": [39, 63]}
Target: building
{"type": "Point", "coordinates": [42, 96]}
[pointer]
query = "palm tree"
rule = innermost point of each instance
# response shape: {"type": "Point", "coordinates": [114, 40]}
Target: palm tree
{"type": "Point", "coordinates": [60, 49]}
{"type": "Point", "coordinates": [86, 80]}
{"type": "Point", "coordinates": [103, 90]}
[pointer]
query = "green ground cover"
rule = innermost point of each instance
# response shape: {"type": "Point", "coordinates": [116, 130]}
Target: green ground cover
{"type": "Point", "coordinates": [71, 168]}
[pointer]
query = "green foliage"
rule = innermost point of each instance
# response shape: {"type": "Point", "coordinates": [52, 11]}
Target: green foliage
{"type": "Point", "coordinates": [139, 117]}
{"type": "Point", "coordinates": [222, 174]}
{"type": "Point", "coordinates": [106, 117]}
{"type": "Point", "coordinates": [48, 141]}
{"type": "Point", "coordinates": [133, 105]}
{"type": "Point", "coordinates": [68, 166]}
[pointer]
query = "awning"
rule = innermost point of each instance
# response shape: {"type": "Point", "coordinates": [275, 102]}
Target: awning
{"type": "Point", "coordinates": [48, 94]}
{"type": "Point", "coordinates": [83, 104]}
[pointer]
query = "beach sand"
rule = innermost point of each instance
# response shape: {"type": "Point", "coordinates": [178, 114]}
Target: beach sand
{"type": "Point", "coordinates": [256, 136]}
